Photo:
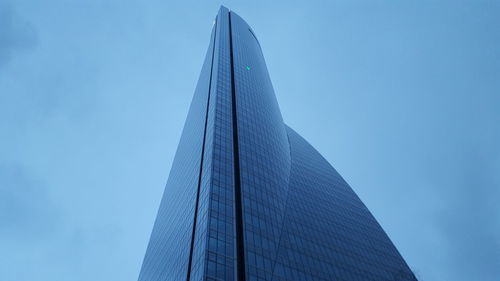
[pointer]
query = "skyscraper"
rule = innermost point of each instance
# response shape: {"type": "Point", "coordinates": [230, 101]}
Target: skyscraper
{"type": "Point", "coordinates": [247, 197]}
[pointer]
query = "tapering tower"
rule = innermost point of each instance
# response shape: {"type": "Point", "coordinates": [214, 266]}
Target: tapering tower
{"type": "Point", "coordinates": [248, 198]}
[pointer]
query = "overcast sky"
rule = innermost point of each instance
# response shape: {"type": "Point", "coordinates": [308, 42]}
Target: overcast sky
{"type": "Point", "coordinates": [402, 97]}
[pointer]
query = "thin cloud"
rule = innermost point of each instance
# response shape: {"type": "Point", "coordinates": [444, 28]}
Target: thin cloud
{"type": "Point", "coordinates": [16, 34]}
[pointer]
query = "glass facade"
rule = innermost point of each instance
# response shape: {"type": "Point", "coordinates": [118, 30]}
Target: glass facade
{"type": "Point", "coordinates": [249, 199]}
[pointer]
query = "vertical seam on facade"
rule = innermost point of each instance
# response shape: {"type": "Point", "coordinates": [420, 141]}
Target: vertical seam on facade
{"type": "Point", "coordinates": [240, 252]}
{"type": "Point", "coordinates": [191, 250]}
{"type": "Point", "coordinates": [285, 208]}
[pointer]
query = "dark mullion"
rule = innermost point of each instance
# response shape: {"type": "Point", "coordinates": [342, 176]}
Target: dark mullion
{"type": "Point", "coordinates": [191, 250]}
{"type": "Point", "coordinates": [240, 252]}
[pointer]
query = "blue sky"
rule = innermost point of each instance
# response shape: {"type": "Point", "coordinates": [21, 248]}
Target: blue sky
{"type": "Point", "coordinates": [402, 97]}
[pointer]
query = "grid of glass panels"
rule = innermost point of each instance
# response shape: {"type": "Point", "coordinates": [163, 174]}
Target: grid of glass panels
{"type": "Point", "coordinates": [215, 259]}
{"type": "Point", "coordinates": [201, 227]}
{"type": "Point", "coordinates": [263, 152]}
{"type": "Point", "coordinates": [167, 254]}
{"type": "Point", "coordinates": [329, 234]}
{"type": "Point", "coordinates": [301, 220]}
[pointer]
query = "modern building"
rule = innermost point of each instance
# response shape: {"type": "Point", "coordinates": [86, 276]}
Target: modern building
{"type": "Point", "coordinates": [248, 198]}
